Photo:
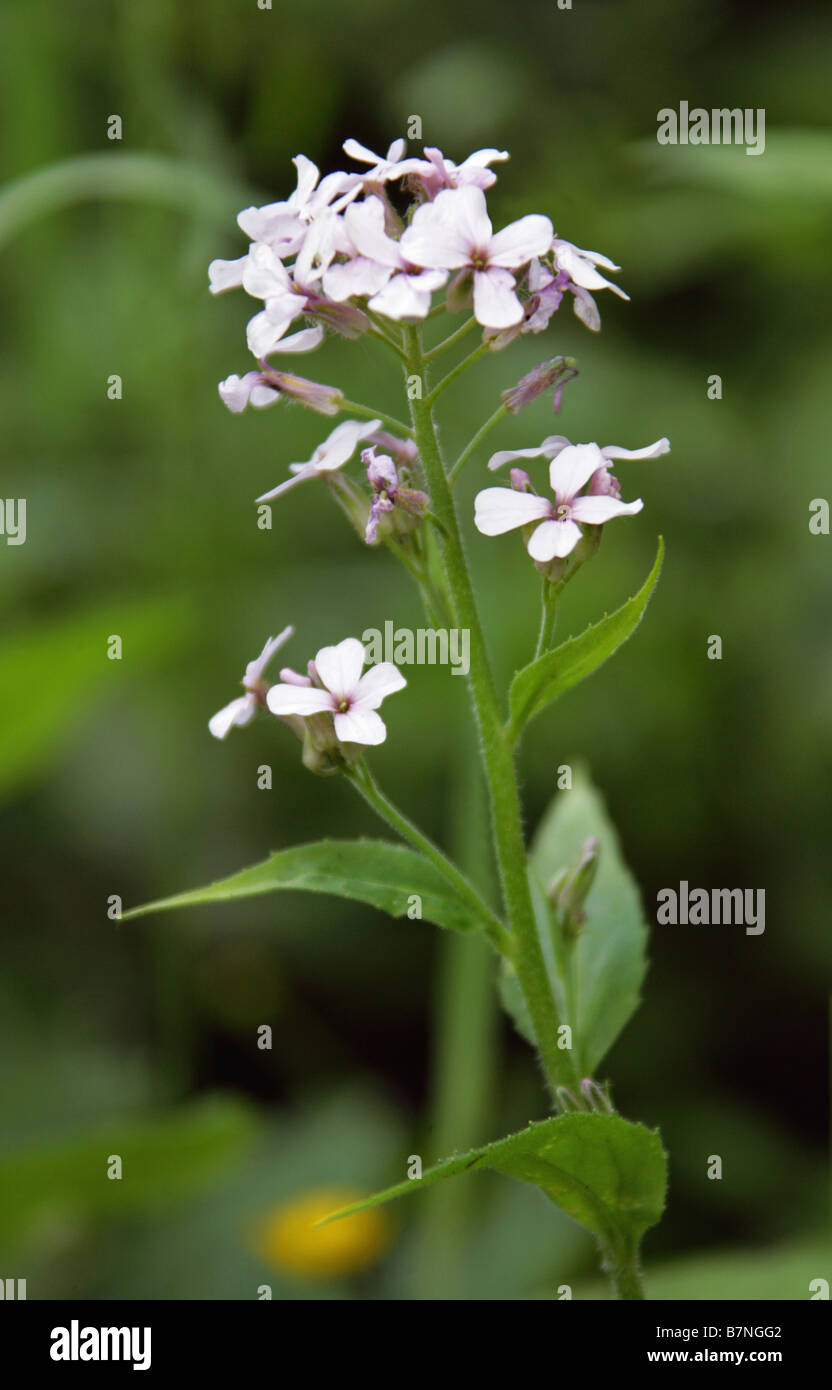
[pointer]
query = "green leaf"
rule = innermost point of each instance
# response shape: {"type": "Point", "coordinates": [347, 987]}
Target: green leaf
{"type": "Point", "coordinates": [607, 1174]}
{"type": "Point", "coordinates": [162, 1159]}
{"type": "Point", "coordinates": [370, 871]}
{"type": "Point", "coordinates": [541, 682]}
{"type": "Point", "coordinates": [600, 986]}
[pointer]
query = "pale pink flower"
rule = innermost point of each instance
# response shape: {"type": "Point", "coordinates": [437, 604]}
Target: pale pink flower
{"type": "Point", "coordinates": [254, 388]}
{"type": "Point", "coordinates": [335, 451]}
{"type": "Point", "coordinates": [556, 522]}
{"type": "Point", "coordinates": [436, 172]}
{"type": "Point", "coordinates": [242, 710]}
{"type": "Point", "coordinates": [283, 225]}
{"type": "Point", "coordinates": [383, 168]}
{"type": "Point", "coordinates": [398, 289]}
{"type": "Point", "coordinates": [352, 698]}
{"type": "Point", "coordinates": [582, 267]}
{"type": "Point", "coordinates": [454, 233]}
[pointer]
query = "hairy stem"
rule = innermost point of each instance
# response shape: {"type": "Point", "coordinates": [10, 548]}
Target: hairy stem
{"type": "Point", "coordinates": [497, 755]}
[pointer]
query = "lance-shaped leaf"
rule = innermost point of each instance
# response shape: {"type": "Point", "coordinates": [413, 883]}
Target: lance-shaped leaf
{"type": "Point", "coordinates": [376, 872]}
{"type": "Point", "coordinates": [598, 978]}
{"type": "Point", "coordinates": [541, 682]}
{"type": "Point", "coordinates": [606, 1173]}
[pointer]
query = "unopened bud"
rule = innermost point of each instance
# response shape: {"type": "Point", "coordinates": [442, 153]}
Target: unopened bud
{"type": "Point", "coordinates": [325, 399]}
{"type": "Point", "coordinates": [568, 891]}
{"type": "Point", "coordinates": [520, 480]}
{"type": "Point", "coordinates": [554, 373]}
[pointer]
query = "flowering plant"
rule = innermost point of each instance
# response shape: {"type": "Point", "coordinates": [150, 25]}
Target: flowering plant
{"type": "Point", "coordinates": [383, 252]}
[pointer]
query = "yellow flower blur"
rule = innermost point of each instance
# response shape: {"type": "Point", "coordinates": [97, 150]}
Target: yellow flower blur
{"type": "Point", "coordinates": [288, 1238]}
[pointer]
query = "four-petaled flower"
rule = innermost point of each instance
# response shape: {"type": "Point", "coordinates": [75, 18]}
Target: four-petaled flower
{"type": "Point", "coordinates": [556, 522]}
{"type": "Point", "coordinates": [335, 451]}
{"type": "Point", "coordinates": [242, 710]}
{"type": "Point", "coordinates": [454, 233]}
{"type": "Point", "coordinates": [352, 698]}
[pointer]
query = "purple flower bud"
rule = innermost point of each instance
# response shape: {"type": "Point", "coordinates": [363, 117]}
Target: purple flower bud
{"type": "Point", "coordinates": [603, 483]}
{"type": "Point", "coordinates": [554, 373]}
{"type": "Point", "coordinates": [520, 480]}
{"type": "Point", "coordinates": [325, 399]}
{"type": "Point", "coordinates": [402, 449]}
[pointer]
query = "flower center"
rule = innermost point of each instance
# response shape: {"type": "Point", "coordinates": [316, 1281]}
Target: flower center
{"type": "Point", "coordinates": [479, 260]}
{"type": "Point", "coordinates": [343, 706]}
{"type": "Point", "coordinates": [563, 512]}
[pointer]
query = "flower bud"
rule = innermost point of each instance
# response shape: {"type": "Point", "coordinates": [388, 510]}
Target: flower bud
{"type": "Point", "coordinates": [568, 891]}
{"type": "Point", "coordinates": [325, 399]}
{"type": "Point", "coordinates": [554, 373]}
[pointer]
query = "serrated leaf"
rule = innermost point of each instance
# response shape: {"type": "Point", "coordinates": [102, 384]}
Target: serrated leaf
{"type": "Point", "coordinates": [608, 1174]}
{"type": "Point", "coordinates": [608, 959]}
{"type": "Point", "coordinates": [376, 872]}
{"type": "Point", "coordinates": [541, 682]}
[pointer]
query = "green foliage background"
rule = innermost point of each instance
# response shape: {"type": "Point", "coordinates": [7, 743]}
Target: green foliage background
{"type": "Point", "coordinates": [140, 522]}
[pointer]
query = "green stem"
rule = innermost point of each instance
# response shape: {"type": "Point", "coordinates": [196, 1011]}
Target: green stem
{"type": "Point", "coordinates": [464, 1050]}
{"type": "Point", "coordinates": [369, 413]}
{"type": "Point", "coordinates": [454, 372]}
{"type": "Point", "coordinates": [625, 1279]}
{"type": "Point", "coordinates": [451, 339]}
{"type": "Point", "coordinates": [364, 782]}
{"type": "Point", "coordinates": [474, 443]}
{"type": "Point", "coordinates": [548, 617]}
{"type": "Point", "coordinates": [498, 759]}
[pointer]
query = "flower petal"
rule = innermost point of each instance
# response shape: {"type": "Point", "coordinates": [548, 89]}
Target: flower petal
{"type": "Point", "coordinates": [520, 241]}
{"type": "Point", "coordinates": [501, 509]}
{"type": "Point", "coordinates": [340, 667]}
{"type": "Point", "coordinates": [257, 667]}
{"type": "Point", "coordinates": [594, 511]}
{"type": "Point", "coordinates": [495, 299]}
{"type": "Point", "coordinates": [650, 451]}
{"type": "Point", "coordinates": [241, 711]}
{"type": "Point", "coordinates": [376, 684]}
{"type": "Point", "coordinates": [572, 468]}
{"type": "Point", "coordinates": [553, 538]}
{"type": "Point", "coordinates": [360, 726]}
{"type": "Point", "coordinates": [340, 446]}
{"type": "Point", "coordinates": [226, 275]}
{"type": "Point", "coordinates": [365, 224]}
{"type": "Point", "coordinates": [298, 699]}
{"type": "Point", "coordinates": [507, 455]}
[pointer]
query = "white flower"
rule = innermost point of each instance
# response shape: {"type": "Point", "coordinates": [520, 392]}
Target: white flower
{"type": "Point", "coordinates": [335, 451]}
{"type": "Point", "coordinates": [399, 289]}
{"type": "Point", "coordinates": [582, 268]}
{"type": "Point", "coordinates": [253, 389]}
{"type": "Point", "coordinates": [352, 698]}
{"type": "Point", "coordinates": [383, 168]}
{"type": "Point", "coordinates": [572, 467]}
{"type": "Point", "coordinates": [242, 710]}
{"type": "Point", "coordinates": [283, 225]}
{"type": "Point", "coordinates": [454, 233]}
{"type": "Point", "coordinates": [436, 172]}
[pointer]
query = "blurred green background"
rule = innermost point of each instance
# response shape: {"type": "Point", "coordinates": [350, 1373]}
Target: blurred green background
{"type": "Point", "coordinates": [141, 1040]}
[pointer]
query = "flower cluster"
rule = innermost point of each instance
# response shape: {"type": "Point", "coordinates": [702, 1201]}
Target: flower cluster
{"type": "Point", "coordinates": [368, 251]}
{"type": "Point", "coordinates": [338, 252]}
